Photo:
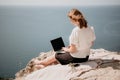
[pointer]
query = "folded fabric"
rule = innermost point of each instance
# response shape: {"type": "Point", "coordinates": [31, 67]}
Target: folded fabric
{"type": "Point", "coordinates": [61, 72]}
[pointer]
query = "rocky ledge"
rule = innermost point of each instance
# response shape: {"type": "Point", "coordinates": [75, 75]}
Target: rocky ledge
{"type": "Point", "coordinates": [108, 66]}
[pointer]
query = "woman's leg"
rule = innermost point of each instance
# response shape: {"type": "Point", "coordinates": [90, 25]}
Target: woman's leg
{"type": "Point", "coordinates": [49, 60]}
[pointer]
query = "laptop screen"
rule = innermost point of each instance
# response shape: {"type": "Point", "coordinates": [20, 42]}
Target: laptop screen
{"type": "Point", "coordinates": [57, 44]}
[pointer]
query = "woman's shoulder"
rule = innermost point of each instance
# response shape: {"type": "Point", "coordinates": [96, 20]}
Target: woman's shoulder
{"type": "Point", "coordinates": [91, 28]}
{"type": "Point", "coordinates": [76, 29]}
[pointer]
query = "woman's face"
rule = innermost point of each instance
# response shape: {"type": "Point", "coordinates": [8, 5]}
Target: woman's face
{"type": "Point", "coordinates": [74, 20]}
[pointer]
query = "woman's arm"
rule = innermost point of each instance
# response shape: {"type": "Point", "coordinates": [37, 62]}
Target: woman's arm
{"type": "Point", "coordinates": [72, 48]}
{"type": "Point", "coordinates": [92, 43]}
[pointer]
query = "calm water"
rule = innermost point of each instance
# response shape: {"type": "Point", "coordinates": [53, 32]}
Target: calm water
{"type": "Point", "coordinates": [25, 31]}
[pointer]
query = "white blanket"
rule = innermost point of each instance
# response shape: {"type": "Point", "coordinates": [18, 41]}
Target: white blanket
{"type": "Point", "coordinates": [61, 72]}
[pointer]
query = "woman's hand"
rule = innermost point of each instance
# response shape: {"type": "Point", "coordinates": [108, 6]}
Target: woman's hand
{"type": "Point", "coordinates": [66, 49]}
{"type": "Point", "coordinates": [72, 48]}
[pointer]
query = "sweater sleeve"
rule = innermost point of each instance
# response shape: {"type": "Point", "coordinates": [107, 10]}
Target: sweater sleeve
{"type": "Point", "coordinates": [73, 39]}
{"type": "Point", "coordinates": [93, 34]}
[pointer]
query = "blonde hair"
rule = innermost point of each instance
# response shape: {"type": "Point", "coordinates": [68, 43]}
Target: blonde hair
{"type": "Point", "coordinates": [76, 14]}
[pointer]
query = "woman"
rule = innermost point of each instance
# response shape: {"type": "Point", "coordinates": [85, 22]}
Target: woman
{"type": "Point", "coordinates": [80, 42]}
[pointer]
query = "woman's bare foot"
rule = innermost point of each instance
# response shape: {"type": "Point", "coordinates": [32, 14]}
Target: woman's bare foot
{"type": "Point", "coordinates": [39, 66]}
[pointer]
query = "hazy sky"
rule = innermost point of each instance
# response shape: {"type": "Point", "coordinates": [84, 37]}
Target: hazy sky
{"type": "Point", "coordinates": [59, 2]}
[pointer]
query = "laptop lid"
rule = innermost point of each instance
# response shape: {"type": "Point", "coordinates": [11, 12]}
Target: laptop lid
{"type": "Point", "coordinates": [57, 44]}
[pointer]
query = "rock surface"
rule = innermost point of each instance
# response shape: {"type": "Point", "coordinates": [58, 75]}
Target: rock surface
{"type": "Point", "coordinates": [108, 66]}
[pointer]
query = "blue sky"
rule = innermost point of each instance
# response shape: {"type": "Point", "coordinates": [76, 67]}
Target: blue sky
{"type": "Point", "coordinates": [59, 2]}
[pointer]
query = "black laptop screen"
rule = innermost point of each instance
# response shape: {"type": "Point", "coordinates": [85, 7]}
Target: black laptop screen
{"type": "Point", "coordinates": [57, 43]}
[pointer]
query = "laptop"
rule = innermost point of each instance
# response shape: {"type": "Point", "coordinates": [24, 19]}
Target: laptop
{"type": "Point", "coordinates": [57, 45]}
